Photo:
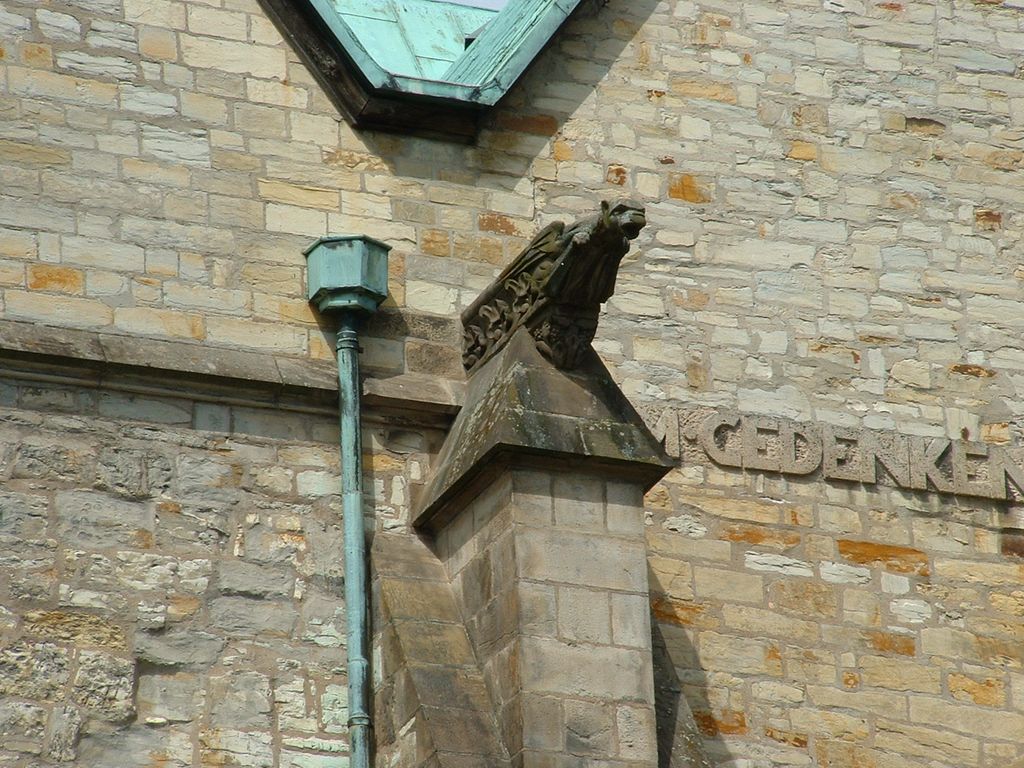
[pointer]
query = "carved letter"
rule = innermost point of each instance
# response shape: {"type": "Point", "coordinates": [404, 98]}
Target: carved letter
{"type": "Point", "coordinates": [800, 449]}
{"type": "Point", "coordinates": [925, 456]}
{"type": "Point", "coordinates": [752, 429]}
{"type": "Point", "coordinates": [841, 457]}
{"type": "Point", "coordinates": [966, 481]}
{"type": "Point", "coordinates": [1007, 470]}
{"type": "Point", "coordinates": [891, 452]}
{"type": "Point", "coordinates": [664, 428]}
{"type": "Point", "coordinates": [730, 457]}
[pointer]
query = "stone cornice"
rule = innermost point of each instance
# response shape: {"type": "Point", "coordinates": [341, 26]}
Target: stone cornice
{"type": "Point", "coordinates": [93, 358]}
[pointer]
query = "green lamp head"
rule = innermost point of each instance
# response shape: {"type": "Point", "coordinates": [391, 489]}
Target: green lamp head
{"type": "Point", "coordinates": [347, 273]}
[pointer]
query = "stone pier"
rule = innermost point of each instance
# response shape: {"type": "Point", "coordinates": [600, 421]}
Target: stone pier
{"type": "Point", "coordinates": [535, 510]}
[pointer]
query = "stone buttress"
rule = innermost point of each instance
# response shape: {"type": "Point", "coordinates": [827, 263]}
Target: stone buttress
{"type": "Point", "coordinates": [523, 638]}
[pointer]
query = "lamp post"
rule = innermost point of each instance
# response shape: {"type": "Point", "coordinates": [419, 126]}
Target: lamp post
{"type": "Point", "coordinates": [348, 276]}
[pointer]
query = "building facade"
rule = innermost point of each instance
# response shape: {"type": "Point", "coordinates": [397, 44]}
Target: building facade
{"type": "Point", "coordinates": [821, 323]}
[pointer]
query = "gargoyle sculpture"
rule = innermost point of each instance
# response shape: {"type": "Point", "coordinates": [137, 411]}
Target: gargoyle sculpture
{"type": "Point", "coordinates": [555, 288]}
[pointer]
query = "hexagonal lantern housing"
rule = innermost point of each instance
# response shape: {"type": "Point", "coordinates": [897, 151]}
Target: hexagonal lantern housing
{"type": "Point", "coordinates": [347, 272]}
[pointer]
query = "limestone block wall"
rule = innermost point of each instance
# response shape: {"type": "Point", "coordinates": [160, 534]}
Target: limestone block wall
{"type": "Point", "coordinates": [170, 581]}
{"type": "Point", "coordinates": [833, 192]}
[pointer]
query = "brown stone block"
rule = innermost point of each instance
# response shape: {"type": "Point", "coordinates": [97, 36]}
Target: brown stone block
{"type": "Point", "coordinates": [721, 722]}
{"type": "Point", "coordinates": [80, 629]}
{"type": "Point", "coordinates": [436, 643]}
{"type": "Point", "coordinates": [802, 150]}
{"type": "Point", "coordinates": [536, 124]}
{"type": "Point", "coordinates": [888, 642]}
{"type": "Point", "coordinates": [887, 556]}
{"type": "Point", "coordinates": [47, 277]}
{"type": "Point", "coordinates": [462, 730]}
{"type": "Point", "coordinates": [434, 359]}
{"type": "Point", "coordinates": [986, 692]}
{"type": "Point", "coordinates": [791, 738]}
{"type": "Point", "coordinates": [682, 613]}
{"type": "Point", "coordinates": [497, 623]}
{"type": "Point", "coordinates": [420, 601]}
{"type": "Point", "coordinates": [691, 188]}
{"type": "Point", "coordinates": [759, 536]}
{"type": "Point", "coordinates": [439, 686]}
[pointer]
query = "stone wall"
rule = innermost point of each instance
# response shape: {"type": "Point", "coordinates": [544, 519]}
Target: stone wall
{"type": "Point", "coordinates": [170, 580]}
{"type": "Point", "coordinates": [833, 192]}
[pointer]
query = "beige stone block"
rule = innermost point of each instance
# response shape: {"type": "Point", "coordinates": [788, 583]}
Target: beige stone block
{"type": "Point", "coordinates": [222, 300]}
{"type": "Point", "coordinates": [37, 83]}
{"type": "Point", "coordinates": [56, 310]}
{"type": "Point", "coordinates": [295, 220]}
{"type": "Point", "coordinates": [803, 598]}
{"type": "Point", "coordinates": [991, 574]}
{"type": "Point", "coordinates": [631, 620]}
{"type": "Point", "coordinates": [103, 254]}
{"type": "Point", "coordinates": [579, 502]}
{"type": "Point", "coordinates": [294, 311]}
{"type": "Point", "coordinates": [738, 655]}
{"type": "Point", "coordinates": [678, 546]}
{"type": "Point", "coordinates": [765, 622]}
{"type": "Point", "coordinates": [298, 195]}
{"type": "Point", "coordinates": [852, 161]}
{"type": "Point", "coordinates": [274, 92]}
{"type": "Point", "coordinates": [214, 22]}
{"type": "Point", "coordinates": [771, 691]}
{"type": "Point", "coordinates": [927, 743]}
{"type": "Point", "coordinates": [582, 559]}
{"type": "Point", "coordinates": [833, 724]}
{"type": "Point", "coordinates": [18, 244]}
{"type": "Point", "coordinates": [965, 718]}
{"type": "Point", "coordinates": [671, 576]}
{"type": "Point", "coordinates": [155, 173]}
{"type": "Point", "coordinates": [157, 13]}
{"type": "Point", "coordinates": [899, 675]}
{"type": "Point", "coordinates": [13, 273]}
{"type": "Point", "coordinates": [158, 322]}
{"type": "Point", "coordinates": [23, 153]}
{"type": "Point", "coordinates": [206, 108]}
{"type": "Point", "coordinates": [602, 672]}
{"type": "Point", "coordinates": [269, 337]}
{"type": "Point", "coordinates": [543, 723]}
{"type": "Point", "coordinates": [589, 728]}
{"type": "Point", "coordinates": [727, 585]}
{"type": "Point", "coordinates": [533, 497]}
{"type": "Point", "coordinates": [230, 56]}
{"type": "Point", "coordinates": [158, 43]}
{"type": "Point", "coordinates": [637, 737]}
{"type": "Point", "coordinates": [867, 702]}
{"type": "Point", "coordinates": [584, 615]}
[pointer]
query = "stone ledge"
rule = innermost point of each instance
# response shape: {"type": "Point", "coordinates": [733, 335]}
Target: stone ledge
{"type": "Point", "coordinates": [121, 361]}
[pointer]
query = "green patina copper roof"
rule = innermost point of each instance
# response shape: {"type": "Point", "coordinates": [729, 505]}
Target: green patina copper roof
{"type": "Point", "coordinates": [404, 65]}
{"type": "Point", "coordinates": [415, 38]}
{"type": "Point", "coordinates": [417, 47]}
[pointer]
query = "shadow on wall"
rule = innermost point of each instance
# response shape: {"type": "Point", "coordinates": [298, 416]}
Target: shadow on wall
{"type": "Point", "coordinates": [681, 744]}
